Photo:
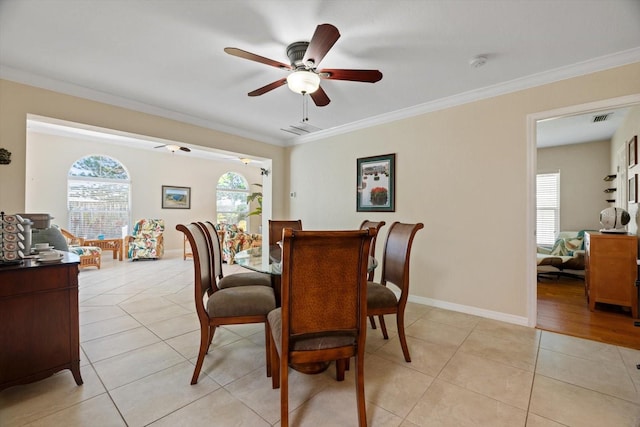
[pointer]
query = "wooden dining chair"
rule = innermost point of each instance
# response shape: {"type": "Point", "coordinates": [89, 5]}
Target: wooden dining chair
{"type": "Point", "coordinates": [216, 307]}
{"type": "Point", "coordinates": [323, 313]}
{"type": "Point", "coordinates": [248, 278]}
{"type": "Point", "coordinates": [377, 225]}
{"type": "Point", "coordinates": [395, 269]}
{"type": "Point", "coordinates": [277, 225]}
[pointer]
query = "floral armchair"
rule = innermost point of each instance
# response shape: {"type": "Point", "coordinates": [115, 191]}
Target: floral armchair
{"type": "Point", "coordinates": [146, 241]}
{"type": "Point", "coordinates": [236, 240]}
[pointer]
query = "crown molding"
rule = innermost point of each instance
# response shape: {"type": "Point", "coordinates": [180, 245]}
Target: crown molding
{"type": "Point", "coordinates": [36, 80]}
{"type": "Point", "coordinates": [558, 74]}
{"type": "Point", "coordinates": [575, 70]}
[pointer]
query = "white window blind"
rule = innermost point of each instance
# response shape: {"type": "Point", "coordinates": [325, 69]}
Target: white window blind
{"type": "Point", "coordinates": [548, 208]}
{"type": "Point", "coordinates": [98, 192]}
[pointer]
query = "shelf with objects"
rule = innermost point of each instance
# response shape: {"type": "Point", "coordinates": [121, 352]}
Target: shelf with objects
{"type": "Point", "coordinates": [610, 190]}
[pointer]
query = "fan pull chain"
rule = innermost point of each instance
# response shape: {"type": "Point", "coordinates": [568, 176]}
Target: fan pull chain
{"type": "Point", "coordinates": [305, 107]}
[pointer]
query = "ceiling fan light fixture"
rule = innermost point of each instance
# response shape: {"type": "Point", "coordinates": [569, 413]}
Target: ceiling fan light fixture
{"type": "Point", "coordinates": [245, 160]}
{"type": "Point", "coordinates": [303, 82]}
{"type": "Point", "coordinates": [172, 147]}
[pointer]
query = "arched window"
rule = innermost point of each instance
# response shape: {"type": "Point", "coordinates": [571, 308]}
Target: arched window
{"type": "Point", "coordinates": [231, 200]}
{"type": "Point", "coordinates": [98, 189]}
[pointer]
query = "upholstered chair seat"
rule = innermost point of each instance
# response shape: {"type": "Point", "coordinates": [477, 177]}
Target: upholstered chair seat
{"type": "Point", "coordinates": [379, 296]}
{"type": "Point", "coordinates": [241, 301]}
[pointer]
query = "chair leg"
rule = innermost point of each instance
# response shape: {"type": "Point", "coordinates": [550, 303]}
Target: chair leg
{"type": "Point", "coordinates": [362, 409]}
{"type": "Point", "coordinates": [403, 338]}
{"type": "Point", "coordinates": [372, 320]}
{"type": "Point", "coordinates": [204, 346]}
{"type": "Point", "coordinates": [341, 365]}
{"type": "Point", "coordinates": [212, 331]}
{"type": "Point", "coordinates": [284, 392]}
{"type": "Point", "coordinates": [275, 363]}
{"type": "Point", "coordinates": [267, 345]}
{"type": "Point", "coordinates": [383, 326]}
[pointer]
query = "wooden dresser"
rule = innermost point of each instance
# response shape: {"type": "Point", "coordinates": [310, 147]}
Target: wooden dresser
{"type": "Point", "coordinates": [39, 329]}
{"type": "Point", "coordinates": [611, 269]}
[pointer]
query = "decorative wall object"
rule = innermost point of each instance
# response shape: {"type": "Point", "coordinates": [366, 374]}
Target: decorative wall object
{"type": "Point", "coordinates": [376, 178]}
{"type": "Point", "coordinates": [176, 197]}
{"type": "Point", "coordinates": [633, 151]}
{"type": "Point", "coordinates": [633, 189]}
{"type": "Point", "coordinates": [5, 156]}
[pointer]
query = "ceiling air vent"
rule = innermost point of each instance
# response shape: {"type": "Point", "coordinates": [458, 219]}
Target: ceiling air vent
{"type": "Point", "coordinates": [301, 129]}
{"type": "Point", "coordinates": [601, 117]}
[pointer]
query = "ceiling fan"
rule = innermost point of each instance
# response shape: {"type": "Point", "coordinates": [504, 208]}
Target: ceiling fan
{"type": "Point", "coordinates": [304, 58]}
{"type": "Point", "coordinates": [173, 148]}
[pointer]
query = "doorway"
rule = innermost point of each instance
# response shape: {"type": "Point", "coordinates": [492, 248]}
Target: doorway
{"type": "Point", "coordinates": [532, 122]}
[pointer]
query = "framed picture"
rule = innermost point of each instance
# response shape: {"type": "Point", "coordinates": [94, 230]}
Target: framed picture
{"type": "Point", "coordinates": [376, 184]}
{"type": "Point", "coordinates": [176, 197]}
{"type": "Point", "coordinates": [633, 189]}
{"type": "Point", "coordinates": [633, 151]}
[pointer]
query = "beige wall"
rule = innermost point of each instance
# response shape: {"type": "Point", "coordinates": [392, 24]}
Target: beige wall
{"type": "Point", "coordinates": [582, 170]}
{"type": "Point", "coordinates": [18, 100]}
{"type": "Point", "coordinates": [46, 185]}
{"type": "Point", "coordinates": [464, 172]}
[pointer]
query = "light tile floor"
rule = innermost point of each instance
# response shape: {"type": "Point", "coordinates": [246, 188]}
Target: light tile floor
{"type": "Point", "coordinates": [139, 339]}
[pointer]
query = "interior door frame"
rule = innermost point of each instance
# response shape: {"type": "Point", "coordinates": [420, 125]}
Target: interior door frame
{"type": "Point", "coordinates": [532, 162]}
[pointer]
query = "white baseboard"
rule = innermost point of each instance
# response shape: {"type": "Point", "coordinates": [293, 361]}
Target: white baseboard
{"type": "Point", "coordinates": [495, 315]}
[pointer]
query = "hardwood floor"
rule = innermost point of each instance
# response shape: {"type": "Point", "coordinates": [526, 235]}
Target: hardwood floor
{"type": "Point", "coordinates": [562, 308]}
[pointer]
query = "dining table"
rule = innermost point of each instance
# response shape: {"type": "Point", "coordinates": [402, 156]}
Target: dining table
{"type": "Point", "coordinates": [256, 259]}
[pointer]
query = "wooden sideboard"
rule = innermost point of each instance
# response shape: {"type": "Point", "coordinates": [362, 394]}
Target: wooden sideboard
{"type": "Point", "coordinates": [611, 269]}
{"type": "Point", "coordinates": [39, 328]}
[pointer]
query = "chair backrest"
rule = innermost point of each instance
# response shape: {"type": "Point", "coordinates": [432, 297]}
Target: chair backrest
{"type": "Point", "coordinates": [214, 248]}
{"type": "Point", "coordinates": [324, 282]}
{"type": "Point", "coordinates": [71, 239]}
{"type": "Point", "coordinates": [377, 225]}
{"type": "Point", "coordinates": [276, 227]}
{"type": "Point", "coordinates": [147, 228]}
{"type": "Point", "coordinates": [202, 264]}
{"type": "Point", "coordinates": [397, 251]}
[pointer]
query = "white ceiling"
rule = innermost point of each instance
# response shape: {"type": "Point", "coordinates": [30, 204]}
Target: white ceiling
{"type": "Point", "coordinates": [166, 57]}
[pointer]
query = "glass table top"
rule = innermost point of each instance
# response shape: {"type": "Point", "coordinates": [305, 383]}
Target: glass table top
{"type": "Point", "coordinates": [257, 259]}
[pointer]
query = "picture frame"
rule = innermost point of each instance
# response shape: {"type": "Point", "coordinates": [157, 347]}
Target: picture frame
{"type": "Point", "coordinates": [375, 184]}
{"type": "Point", "coordinates": [633, 151]}
{"type": "Point", "coordinates": [176, 197]}
{"type": "Point", "coordinates": [633, 189]}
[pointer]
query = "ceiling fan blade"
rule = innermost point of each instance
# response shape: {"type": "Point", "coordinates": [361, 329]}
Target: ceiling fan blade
{"type": "Point", "coordinates": [253, 57]}
{"type": "Point", "coordinates": [186, 149]}
{"type": "Point", "coordinates": [323, 39]}
{"type": "Point", "coordinates": [368, 76]}
{"type": "Point", "coordinates": [267, 88]}
{"type": "Point", "coordinates": [160, 146]}
{"type": "Point", "coordinates": [320, 97]}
